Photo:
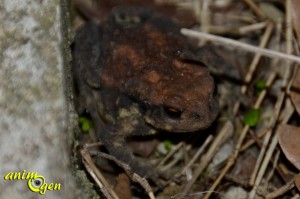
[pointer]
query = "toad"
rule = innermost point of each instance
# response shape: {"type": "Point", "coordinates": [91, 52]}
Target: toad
{"type": "Point", "coordinates": [137, 75]}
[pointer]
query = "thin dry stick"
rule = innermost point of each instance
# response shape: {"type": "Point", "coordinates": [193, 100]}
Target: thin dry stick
{"type": "Point", "coordinates": [230, 162]}
{"type": "Point", "coordinates": [256, 179]}
{"type": "Point", "coordinates": [219, 30]}
{"type": "Point", "coordinates": [278, 104]}
{"type": "Point", "coordinates": [243, 18]}
{"type": "Point", "coordinates": [255, 8]}
{"type": "Point", "coordinates": [268, 135]}
{"type": "Point", "coordinates": [289, 110]}
{"type": "Point", "coordinates": [175, 160]}
{"type": "Point", "coordinates": [197, 8]}
{"type": "Point", "coordinates": [198, 153]}
{"type": "Point", "coordinates": [97, 176]}
{"type": "Point", "coordinates": [271, 124]}
{"type": "Point", "coordinates": [277, 109]}
{"type": "Point", "coordinates": [252, 27]}
{"type": "Point", "coordinates": [176, 148]}
{"type": "Point", "coordinates": [222, 136]}
{"type": "Point", "coordinates": [275, 162]}
{"type": "Point", "coordinates": [269, 153]}
{"type": "Point", "coordinates": [98, 182]}
{"type": "Point", "coordinates": [135, 177]}
{"type": "Point", "coordinates": [264, 92]}
{"type": "Point", "coordinates": [254, 63]}
{"type": "Point", "coordinates": [285, 81]}
{"type": "Point", "coordinates": [239, 143]}
{"type": "Point", "coordinates": [288, 38]}
{"type": "Point", "coordinates": [260, 157]}
{"type": "Point", "coordinates": [126, 167]}
{"type": "Point", "coordinates": [249, 143]}
{"type": "Point", "coordinates": [91, 145]}
{"type": "Point", "coordinates": [296, 45]}
{"type": "Point", "coordinates": [289, 31]}
{"type": "Point", "coordinates": [264, 166]}
{"type": "Point", "coordinates": [205, 18]}
{"type": "Point", "coordinates": [247, 47]}
{"type": "Point", "coordinates": [145, 184]}
{"type": "Point", "coordinates": [278, 192]}
{"type": "Point", "coordinates": [256, 59]}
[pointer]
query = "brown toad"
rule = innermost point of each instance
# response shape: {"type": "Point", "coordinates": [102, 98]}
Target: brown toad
{"type": "Point", "coordinates": [136, 75]}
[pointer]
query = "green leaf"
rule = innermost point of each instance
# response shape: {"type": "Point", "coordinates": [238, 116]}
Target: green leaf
{"type": "Point", "coordinates": [85, 123]}
{"type": "Point", "coordinates": [168, 145]}
{"type": "Point", "coordinates": [252, 118]}
{"type": "Point", "coordinates": [260, 85]}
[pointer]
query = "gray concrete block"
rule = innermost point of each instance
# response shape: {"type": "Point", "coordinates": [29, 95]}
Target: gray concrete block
{"type": "Point", "coordinates": [35, 119]}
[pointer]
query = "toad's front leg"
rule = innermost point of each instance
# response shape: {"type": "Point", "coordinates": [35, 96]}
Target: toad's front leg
{"type": "Point", "coordinates": [112, 137]}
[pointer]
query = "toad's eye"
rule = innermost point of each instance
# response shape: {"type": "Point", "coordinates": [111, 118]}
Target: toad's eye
{"type": "Point", "coordinates": [126, 19]}
{"type": "Point", "coordinates": [172, 113]}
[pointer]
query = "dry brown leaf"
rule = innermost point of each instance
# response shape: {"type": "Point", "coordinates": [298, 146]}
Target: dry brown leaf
{"type": "Point", "coordinates": [297, 181]}
{"type": "Point", "coordinates": [295, 92]}
{"type": "Point", "coordinates": [296, 17]}
{"type": "Point", "coordinates": [122, 187]}
{"type": "Point", "coordinates": [289, 137]}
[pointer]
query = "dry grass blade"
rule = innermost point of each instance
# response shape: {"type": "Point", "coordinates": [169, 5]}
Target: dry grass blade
{"type": "Point", "coordinates": [223, 135]}
{"type": "Point", "coordinates": [264, 166]}
{"type": "Point", "coordinates": [198, 153]}
{"type": "Point", "coordinates": [296, 17]}
{"type": "Point", "coordinates": [247, 47]}
{"type": "Point", "coordinates": [255, 8]}
{"type": "Point", "coordinates": [274, 118]}
{"type": "Point", "coordinates": [288, 186]}
{"type": "Point", "coordinates": [97, 176]}
{"type": "Point", "coordinates": [170, 154]}
{"type": "Point", "coordinates": [238, 145]}
{"type": "Point", "coordinates": [294, 91]}
{"type": "Point", "coordinates": [135, 177]}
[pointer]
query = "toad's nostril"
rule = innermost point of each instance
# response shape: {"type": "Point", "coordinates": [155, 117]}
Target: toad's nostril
{"type": "Point", "coordinates": [172, 113]}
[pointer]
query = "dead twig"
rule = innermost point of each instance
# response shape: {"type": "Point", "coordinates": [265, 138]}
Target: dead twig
{"type": "Point", "coordinates": [198, 153]}
{"type": "Point", "coordinates": [247, 47]}
{"type": "Point", "coordinates": [256, 9]}
{"type": "Point", "coordinates": [278, 192]}
{"type": "Point", "coordinates": [264, 165]}
{"type": "Point", "coordinates": [274, 118]}
{"type": "Point", "coordinates": [135, 177]}
{"type": "Point", "coordinates": [223, 135]}
{"type": "Point", "coordinates": [107, 191]}
{"type": "Point", "coordinates": [169, 155]}
{"type": "Point", "coordinates": [240, 141]}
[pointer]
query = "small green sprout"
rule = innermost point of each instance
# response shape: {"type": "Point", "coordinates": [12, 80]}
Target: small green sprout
{"type": "Point", "coordinates": [259, 86]}
{"type": "Point", "coordinates": [252, 118]}
{"type": "Point", "coordinates": [85, 123]}
{"type": "Point", "coordinates": [168, 145]}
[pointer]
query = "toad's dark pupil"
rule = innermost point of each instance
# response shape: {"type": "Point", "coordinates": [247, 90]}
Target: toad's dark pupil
{"type": "Point", "coordinates": [37, 182]}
